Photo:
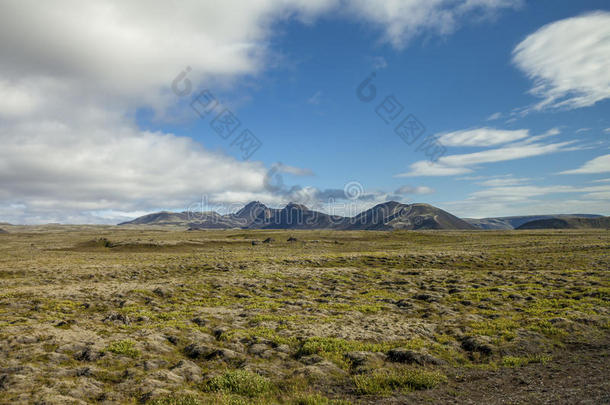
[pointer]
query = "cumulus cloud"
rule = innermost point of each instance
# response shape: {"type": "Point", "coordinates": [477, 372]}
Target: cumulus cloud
{"type": "Point", "coordinates": [117, 169]}
{"type": "Point", "coordinates": [600, 164]}
{"type": "Point", "coordinates": [73, 74]}
{"type": "Point", "coordinates": [569, 61]}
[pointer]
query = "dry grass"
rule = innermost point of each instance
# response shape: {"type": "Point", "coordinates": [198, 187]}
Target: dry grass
{"type": "Point", "coordinates": [139, 314]}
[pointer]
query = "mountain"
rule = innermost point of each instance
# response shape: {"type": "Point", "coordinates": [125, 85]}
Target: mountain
{"type": "Point", "coordinates": [394, 215]}
{"type": "Point", "coordinates": [567, 222]}
{"type": "Point", "coordinates": [160, 218]}
{"type": "Point", "coordinates": [386, 216]}
{"type": "Point", "coordinates": [251, 212]}
{"type": "Point", "coordinates": [241, 219]}
{"type": "Point", "coordinates": [516, 221]}
{"type": "Point", "coordinates": [255, 215]}
{"type": "Point", "coordinates": [295, 216]}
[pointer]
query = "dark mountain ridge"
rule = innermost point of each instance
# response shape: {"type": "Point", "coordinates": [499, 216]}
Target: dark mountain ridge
{"type": "Point", "coordinates": [385, 216]}
{"type": "Point", "coordinates": [515, 222]}
{"type": "Point", "coordinates": [567, 222]}
{"type": "Point", "coordinates": [255, 215]}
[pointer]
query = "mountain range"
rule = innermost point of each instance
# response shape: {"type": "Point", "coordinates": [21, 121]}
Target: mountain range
{"type": "Point", "coordinates": [386, 216]}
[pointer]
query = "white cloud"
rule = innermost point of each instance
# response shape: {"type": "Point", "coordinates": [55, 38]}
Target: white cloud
{"type": "Point", "coordinates": [296, 171]}
{"type": "Point", "coordinates": [414, 190]}
{"type": "Point", "coordinates": [481, 137]}
{"type": "Point", "coordinates": [533, 200]}
{"type": "Point", "coordinates": [485, 209]}
{"type": "Point", "coordinates": [522, 193]}
{"type": "Point", "coordinates": [17, 100]}
{"type": "Point", "coordinates": [551, 132]}
{"type": "Point", "coordinates": [73, 74]}
{"type": "Point", "coordinates": [116, 169]}
{"type": "Point", "coordinates": [503, 181]}
{"type": "Point", "coordinates": [510, 152]}
{"type": "Point", "coordinates": [465, 163]}
{"type": "Point", "coordinates": [494, 116]}
{"type": "Point", "coordinates": [600, 164]}
{"type": "Point", "coordinates": [402, 20]}
{"type": "Point", "coordinates": [569, 61]}
{"type": "Point", "coordinates": [427, 168]}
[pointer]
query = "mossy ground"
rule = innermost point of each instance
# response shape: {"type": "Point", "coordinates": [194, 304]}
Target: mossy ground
{"type": "Point", "coordinates": [112, 314]}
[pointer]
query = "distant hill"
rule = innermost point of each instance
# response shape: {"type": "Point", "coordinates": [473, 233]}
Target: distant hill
{"type": "Point", "coordinates": [160, 218]}
{"type": "Point", "coordinates": [255, 215]}
{"type": "Point", "coordinates": [516, 221]}
{"type": "Point", "coordinates": [568, 223]}
{"type": "Point", "coordinates": [204, 219]}
{"type": "Point", "coordinates": [394, 215]}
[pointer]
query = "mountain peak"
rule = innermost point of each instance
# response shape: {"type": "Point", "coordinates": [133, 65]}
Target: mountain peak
{"type": "Point", "coordinates": [295, 206]}
{"type": "Point", "coordinates": [251, 210]}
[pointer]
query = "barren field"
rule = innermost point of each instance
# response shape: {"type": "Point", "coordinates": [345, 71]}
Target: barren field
{"type": "Point", "coordinates": [166, 316]}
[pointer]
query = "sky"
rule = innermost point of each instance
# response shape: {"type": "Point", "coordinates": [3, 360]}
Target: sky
{"type": "Point", "coordinates": [110, 110]}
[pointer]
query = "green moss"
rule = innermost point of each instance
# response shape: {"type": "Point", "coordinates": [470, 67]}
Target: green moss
{"type": "Point", "coordinates": [260, 333]}
{"type": "Point", "coordinates": [316, 399]}
{"type": "Point", "coordinates": [546, 327]}
{"type": "Point", "coordinates": [124, 347]}
{"type": "Point", "coordinates": [322, 345]}
{"type": "Point", "coordinates": [174, 399]}
{"type": "Point", "coordinates": [369, 308]}
{"type": "Point", "coordinates": [515, 361]}
{"type": "Point", "coordinates": [502, 328]}
{"type": "Point", "coordinates": [239, 382]}
{"type": "Point", "coordinates": [384, 382]}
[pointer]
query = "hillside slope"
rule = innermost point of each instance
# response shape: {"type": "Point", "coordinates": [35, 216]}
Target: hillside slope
{"type": "Point", "coordinates": [516, 221]}
{"type": "Point", "coordinates": [394, 215]}
{"type": "Point", "coordinates": [568, 223]}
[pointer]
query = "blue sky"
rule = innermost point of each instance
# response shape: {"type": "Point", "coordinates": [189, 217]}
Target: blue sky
{"type": "Point", "coordinates": [465, 69]}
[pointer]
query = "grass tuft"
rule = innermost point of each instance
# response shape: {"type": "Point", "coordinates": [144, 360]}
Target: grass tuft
{"type": "Point", "coordinates": [239, 382]}
{"type": "Point", "coordinates": [317, 400]}
{"type": "Point", "coordinates": [384, 382]}
{"type": "Point", "coordinates": [124, 347]}
{"type": "Point", "coordinates": [175, 400]}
